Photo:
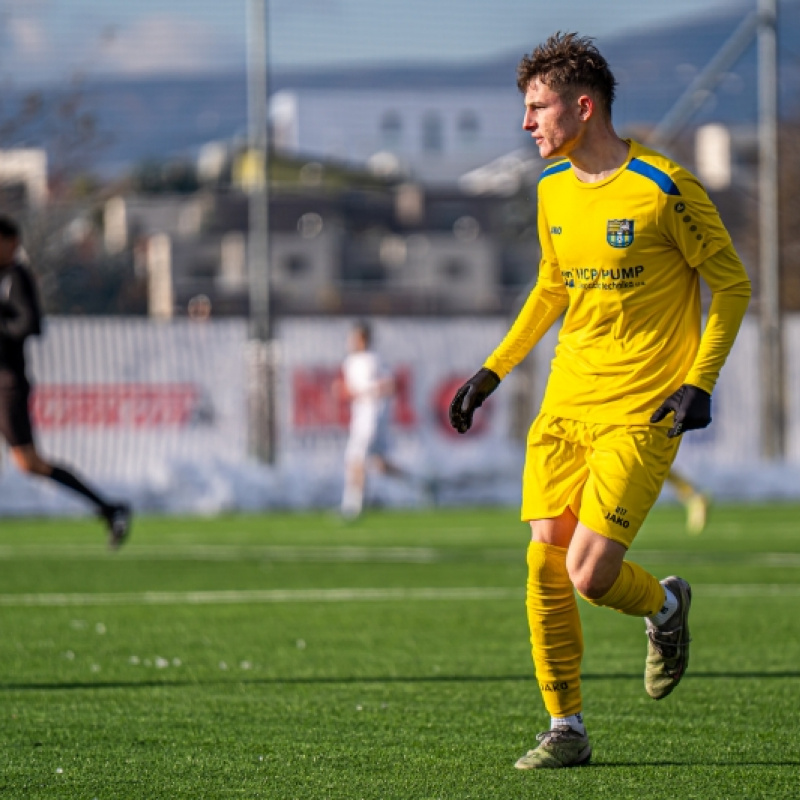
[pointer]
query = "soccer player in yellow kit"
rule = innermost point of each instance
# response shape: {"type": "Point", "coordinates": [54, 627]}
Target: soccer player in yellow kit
{"type": "Point", "coordinates": [625, 235]}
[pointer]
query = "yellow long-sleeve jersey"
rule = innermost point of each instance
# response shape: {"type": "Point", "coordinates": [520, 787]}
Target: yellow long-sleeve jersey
{"type": "Point", "coordinates": [622, 257]}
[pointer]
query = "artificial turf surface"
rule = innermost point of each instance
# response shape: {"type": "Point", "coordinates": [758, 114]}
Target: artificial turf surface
{"type": "Point", "coordinates": [288, 656]}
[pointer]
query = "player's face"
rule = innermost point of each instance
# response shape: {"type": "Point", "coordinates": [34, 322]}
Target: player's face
{"type": "Point", "coordinates": [8, 249]}
{"type": "Point", "coordinates": [553, 121]}
{"type": "Point", "coordinates": [357, 342]}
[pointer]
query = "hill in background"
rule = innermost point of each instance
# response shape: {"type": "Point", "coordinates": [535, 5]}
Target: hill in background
{"type": "Point", "coordinates": [161, 117]}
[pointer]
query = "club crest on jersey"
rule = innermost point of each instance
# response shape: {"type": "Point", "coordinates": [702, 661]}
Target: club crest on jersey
{"type": "Point", "coordinates": [619, 232]}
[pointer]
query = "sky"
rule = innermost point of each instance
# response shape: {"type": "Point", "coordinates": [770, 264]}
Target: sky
{"type": "Point", "coordinates": [50, 40]}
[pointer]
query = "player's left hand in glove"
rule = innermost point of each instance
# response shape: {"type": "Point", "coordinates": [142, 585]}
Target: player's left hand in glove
{"type": "Point", "coordinates": [692, 408]}
{"type": "Point", "coordinates": [471, 396]}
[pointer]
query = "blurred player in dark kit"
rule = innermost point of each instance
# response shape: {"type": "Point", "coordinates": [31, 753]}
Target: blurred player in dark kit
{"type": "Point", "coordinates": [21, 317]}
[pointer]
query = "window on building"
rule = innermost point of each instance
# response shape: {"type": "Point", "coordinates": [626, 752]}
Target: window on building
{"type": "Point", "coordinates": [296, 265]}
{"type": "Point", "coordinates": [468, 127]}
{"type": "Point", "coordinates": [454, 269]}
{"type": "Point", "coordinates": [391, 129]}
{"type": "Point", "coordinates": [432, 133]}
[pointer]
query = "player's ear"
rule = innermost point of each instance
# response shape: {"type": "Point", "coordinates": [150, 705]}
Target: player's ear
{"type": "Point", "coordinates": [585, 107]}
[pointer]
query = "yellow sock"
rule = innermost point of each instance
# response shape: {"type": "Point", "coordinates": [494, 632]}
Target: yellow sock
{"type": "Point", "coordinates": [635, 592]}
{"type": "Point", "coordinates": [556, 635]}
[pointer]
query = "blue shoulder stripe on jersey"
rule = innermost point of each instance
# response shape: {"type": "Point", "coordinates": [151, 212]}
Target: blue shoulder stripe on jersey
{"type": "Point", "coordinates": [661, 179]}
{"type": "Point", "coordinates": [556, 168]}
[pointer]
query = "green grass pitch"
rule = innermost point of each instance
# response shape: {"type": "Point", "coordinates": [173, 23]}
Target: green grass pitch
{"type": "Point", "coordinates": [289, 656]}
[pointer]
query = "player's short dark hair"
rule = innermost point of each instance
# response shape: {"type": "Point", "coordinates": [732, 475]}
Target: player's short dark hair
{"type": "Point", "coordinates": [364, 330]}
{"type": "Point", "coordinates": [567, 61]}
{"type": "Point", "coordinates": [8, 227]}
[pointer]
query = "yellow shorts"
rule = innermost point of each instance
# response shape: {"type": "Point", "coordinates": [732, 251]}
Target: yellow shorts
{"type": "Point", "coordinates": [608, 475]}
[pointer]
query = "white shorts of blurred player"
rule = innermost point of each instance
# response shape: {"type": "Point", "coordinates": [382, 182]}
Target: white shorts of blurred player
{"type": "Point", "coordinates": [369, 435]}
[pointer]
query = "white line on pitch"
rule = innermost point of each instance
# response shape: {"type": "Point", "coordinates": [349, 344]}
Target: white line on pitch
{"type": "Point", "coordinates": [238, 597]}
{"type": "Point", "coordinates": [746, 590]}
{"type": "Point", "coordinates": [324, 554]}
{"type": "Point", "coordinates": [347, 554]}
{"type": "Point", "coordinates": [256, 596]}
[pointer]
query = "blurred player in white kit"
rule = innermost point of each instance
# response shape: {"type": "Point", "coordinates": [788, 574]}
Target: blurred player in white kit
{"type": "Point", "coordinates": [368, 385]}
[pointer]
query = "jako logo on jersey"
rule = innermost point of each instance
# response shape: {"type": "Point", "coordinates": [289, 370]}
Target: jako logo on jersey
{"type": "Point", "coordinates": [619, 232]}
{"type": "Point", "coordinates": [623, 523]}
{"type": "Point", "coordinates": [559, 686]}
{"type": "Point", "coordinates": [556, 230]}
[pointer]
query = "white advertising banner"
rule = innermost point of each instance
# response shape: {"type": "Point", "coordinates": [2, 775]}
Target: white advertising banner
{"type": "Point", "coordinates": [429, 360]}
{"type": "Point", "coordinates": [157, 412]}
{"type": "Point", "coordinates": [144, 410]}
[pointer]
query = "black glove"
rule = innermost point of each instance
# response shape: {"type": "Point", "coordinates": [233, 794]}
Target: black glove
{"type": "Point", "coordinates": [471, 396]}
{"type": "Point", "coordinates": [692, 407]}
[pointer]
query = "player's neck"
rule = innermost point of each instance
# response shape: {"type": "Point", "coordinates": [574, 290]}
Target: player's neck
{"type": "Point", "coordinates": [599, 156]}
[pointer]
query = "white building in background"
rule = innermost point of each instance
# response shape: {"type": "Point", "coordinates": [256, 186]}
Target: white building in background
{"type": "Point", "coordinates": [25, 168]}
{"type": "Point", "coordinates": [433, 136]}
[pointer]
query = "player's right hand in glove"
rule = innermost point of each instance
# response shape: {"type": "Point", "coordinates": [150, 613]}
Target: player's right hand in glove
{"type": "Point", "coordinates": [471, 396]}
{"type": "Point", "coordinates": [691, 406]}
